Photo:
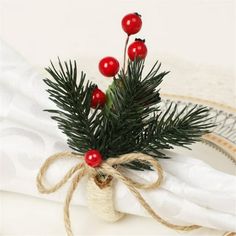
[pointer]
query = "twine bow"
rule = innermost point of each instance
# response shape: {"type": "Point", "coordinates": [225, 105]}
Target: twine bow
{"type": "Point", "coordinates": [108, 168]}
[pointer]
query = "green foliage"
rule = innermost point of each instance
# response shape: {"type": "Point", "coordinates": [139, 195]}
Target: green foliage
{"type": "Point", "coordinates": [73, 101]}
{"type": "Point", "coordinates": [131, 120]}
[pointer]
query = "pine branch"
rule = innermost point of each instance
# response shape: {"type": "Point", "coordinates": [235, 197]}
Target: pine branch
{"type": "Point", "coordinates": [173, 128]}
{"type": "Point", "coordinates": [131, 100]}
{"type": "Point", "coordinates": [131, 121]}
{"type": "Point", "coordinates": [73, 101]}
{"type": "Point", "coordinates": [136, 123]}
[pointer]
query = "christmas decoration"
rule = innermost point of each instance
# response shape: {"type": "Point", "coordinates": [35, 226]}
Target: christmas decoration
{"type": "Point", "coordinates": [125, 128]}
{"type": "Point", "coordinates": [98, 98]}
{"type": "Point", "coordinates": [109, 66]}
{"type": "Point", "coordinates": [132, 23]}
{"type": "Point", "coordinates": [93, 158]}
{"type": "Point", "coordinates": [137, 50]}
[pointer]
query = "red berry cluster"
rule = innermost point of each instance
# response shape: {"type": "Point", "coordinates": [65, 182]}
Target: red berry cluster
{"type": "Point", "coordinates": [131, 24]}
{"type": "Point", "coordinates": [109, 67]}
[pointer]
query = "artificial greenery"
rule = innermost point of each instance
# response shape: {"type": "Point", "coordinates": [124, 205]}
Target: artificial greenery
{"type": "Point", "coordinates": [131, 120]}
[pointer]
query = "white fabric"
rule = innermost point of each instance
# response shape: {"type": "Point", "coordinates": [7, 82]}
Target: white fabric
{"type": "Point", "coordinates": [193, 192]}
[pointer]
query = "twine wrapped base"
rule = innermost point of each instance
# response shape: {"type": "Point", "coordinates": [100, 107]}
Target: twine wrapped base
{"type": "Point", "coordinates": [100, 199]}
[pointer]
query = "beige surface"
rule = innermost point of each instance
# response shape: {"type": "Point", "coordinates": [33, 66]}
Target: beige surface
{"type": "Point", "coordinates": [194, 39]}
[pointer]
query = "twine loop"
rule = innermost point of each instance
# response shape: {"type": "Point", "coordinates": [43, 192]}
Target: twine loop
{"type": "Point", "coordinates": [107, 168]}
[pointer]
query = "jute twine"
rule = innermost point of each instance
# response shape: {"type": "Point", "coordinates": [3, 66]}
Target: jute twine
{"type": "Point", "coordinates": [107, 170]}
{"type": "Point", "coordinates": [100, 199]}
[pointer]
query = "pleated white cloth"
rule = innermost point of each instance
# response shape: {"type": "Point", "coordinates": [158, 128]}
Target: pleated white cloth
{"type": "Point", "coordinates": [193, 192]}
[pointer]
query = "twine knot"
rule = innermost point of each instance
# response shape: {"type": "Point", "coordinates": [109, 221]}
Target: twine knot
{"type": "Point", "coordinates": [108, 168]}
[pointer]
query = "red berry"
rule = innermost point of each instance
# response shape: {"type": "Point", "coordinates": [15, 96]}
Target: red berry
{"type": "Point", "coordinates": [93, 158]}
{"type": "Point", "coordinates": [109, 66]}
{"type": "Point", "coordinates": [98, 98]}
{"type": "Point", "coordinates": [131, 23]}
{"type": "Point", "coordinates": [137, 49]}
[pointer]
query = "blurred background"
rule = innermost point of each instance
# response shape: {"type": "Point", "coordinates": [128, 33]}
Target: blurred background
{"type": "Point", "coordinates": [194, 39]}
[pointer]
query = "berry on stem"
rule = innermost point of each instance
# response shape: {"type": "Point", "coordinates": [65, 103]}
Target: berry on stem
{"type": "Point", "coordinates": [98, 98]}
{"type": "Point", "coordinates": [137, 49]}
{"type": "Point", "coordinates": [131, 23]}
{"type": "Point", "coordinates": [109, 66]}
{"type": "Point", "coordinates": [93, 158]}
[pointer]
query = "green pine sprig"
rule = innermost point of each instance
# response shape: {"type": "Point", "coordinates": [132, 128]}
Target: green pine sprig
{"type": "Point", "coordinates": [72, 97]}
{"type": "Point", "coordinates": [131, 120]}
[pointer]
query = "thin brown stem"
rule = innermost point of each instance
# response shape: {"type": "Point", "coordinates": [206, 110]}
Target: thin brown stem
{"type": "Point", "coordinates": [125, 50]}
